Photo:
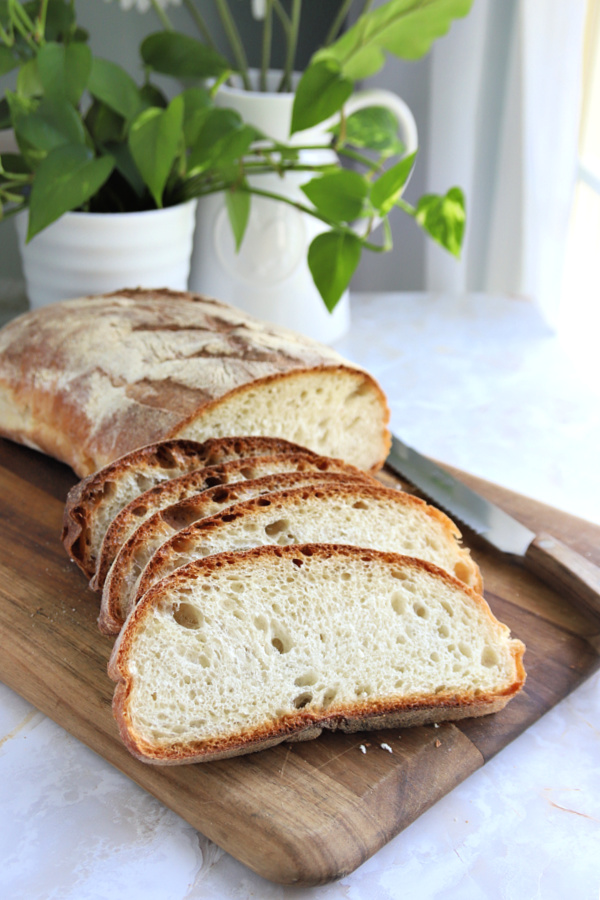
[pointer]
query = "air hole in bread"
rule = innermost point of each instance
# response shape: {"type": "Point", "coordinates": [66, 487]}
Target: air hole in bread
{"type": "Point", "coordinates": [275, 528]}
{"type": "Point", "coordinates": [329, 696]}
{"type": "Point", "coordinates": [188, 616]}
{"type": "Point", "coordinates": [434, 657]}
{"type": "Point", "coordinates": [363, 690]}
{"type": "Point", "coordinates": [448, 608]}
{"type": "Point", "coordinates": [307, 679]}
{"type": "Point", "coordinates": [263, 501]}
{"type": "Point", "coordinates": [465, 649]}
{"type": "Point", "coordinates": [165, 458]}
{"type": "Point", "coordinates": [360, 504]}
{"type": "Point", "coordinates": [278, 644]}
{"type": "Point", "coordinates": [358, 392]}
{"type": "Point", "coordinates": [181, 544]}
{"type": "Point", "coordinates": [179, 519]}
{"type": "Point", "coordinates": [143, 482]}
{"type": "Point", "coordinates": [140, 511]}
{"type": "Point", "coordinates": [489, 657]}
{"type": "Point", "coordinates": [462, 572]}
{"type": "Point", "coordinates": [303, 700]}
{"type": "Point", "coordinates": [108, 490]}
{"type": "Point", "coordinates": [398, 601]}
{"type": "Point", "coordinates": [298, 562]}
{"type": "Point", "coordinates": [222, 496]}
{"type": "Point", "coordinates": [397, 573]}
{"type": "Point", "coordinates": [237, 587]}
{"type": "Point", "coordinates": [444, 631]}
{"type": "Point", "coordinates": [345, 576]}
{"type": "Point", "coordinates": [420, 610]}
{"type": "Point", "coordinates": [249, 472]}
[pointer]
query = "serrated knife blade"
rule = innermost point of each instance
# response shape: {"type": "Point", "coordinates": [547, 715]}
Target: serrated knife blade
{"type": "Point", "coordinates": [552, 561]}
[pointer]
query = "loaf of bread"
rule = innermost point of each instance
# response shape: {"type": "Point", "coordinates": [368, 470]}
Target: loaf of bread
{"type": "Point", "coordinates": [357, 514]}
{"type": "Point", "coordinates": [89, 380]}
{"type": "Point", "coordinates": [121, 583]}
{"type": "Point", "coordinates": [239, 652]}
{"type": "Point", "coordinates": [93, 503]}
{"type": "Point", "coordinates": [142, 507]}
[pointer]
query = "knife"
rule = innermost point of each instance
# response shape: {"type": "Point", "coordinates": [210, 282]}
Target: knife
{"type": "Point", "coordinates": [545, 556]}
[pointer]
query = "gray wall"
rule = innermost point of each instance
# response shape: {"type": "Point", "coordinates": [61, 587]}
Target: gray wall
{"type": "Point", "coordinates": [116, 35]}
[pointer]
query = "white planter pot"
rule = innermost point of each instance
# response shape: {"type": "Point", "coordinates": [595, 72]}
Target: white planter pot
{"type": "Point", "coordinates": [269, 277]}
{"type": "Point", "coordinates": [93, 253]}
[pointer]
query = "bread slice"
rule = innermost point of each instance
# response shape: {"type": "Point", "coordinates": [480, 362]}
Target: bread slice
{"type": "Point", "coordinates": [357, 514]}
{"type": "Point", "coordinates": [121, 583]}
{"type": "Point", "coordinates": [239, 652]}
{"type": "Point", "coordinates": [167, 493]}
{"type": "Point", "coordinates": [93, 503]}
{"type": "Point", "coordinates": [90, 379]}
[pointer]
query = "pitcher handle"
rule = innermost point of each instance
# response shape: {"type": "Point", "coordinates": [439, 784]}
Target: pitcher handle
{"type": "Point", "coordinates": [381, 97]}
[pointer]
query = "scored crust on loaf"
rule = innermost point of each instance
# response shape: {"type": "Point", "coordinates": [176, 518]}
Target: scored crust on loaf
{"type": "Point", "coordinates": [238, 652]}
{"type": "Point", "coordinates": [166, 493]}
{"type": "Point", "coordinates": [90, 379]}
{"type": "Point", "coordinates": [121, 583]}
{"type": "Point", "coordinates": [357, 514]}
{"type": "Point", "coordinates": [93, 503]}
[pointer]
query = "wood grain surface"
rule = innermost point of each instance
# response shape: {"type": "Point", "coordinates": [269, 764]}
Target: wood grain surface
{"type": "Point", "coordinates": [299, 813]}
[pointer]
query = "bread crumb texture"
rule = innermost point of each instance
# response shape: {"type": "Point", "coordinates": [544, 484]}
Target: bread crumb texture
{"type": "Point", "coordinates": [233, 649]}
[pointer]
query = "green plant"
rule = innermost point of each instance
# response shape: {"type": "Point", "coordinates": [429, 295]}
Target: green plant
{"type": "Point", "coordinates": [90, 138]}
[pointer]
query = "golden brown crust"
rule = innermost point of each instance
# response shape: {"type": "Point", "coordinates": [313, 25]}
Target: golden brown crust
{"type": "Point", "coordinates": [85, 498]}
{"type": "Point", "coordinates": [204, 527]}
{"type": "Point", "coordinates": [88, 380]}
{"type": "Point", "coordinates": [202, 478]}
{"type": "Point", "coordinates": [111, 618]}
{"type": "Point", "coordinates": [358, 716]}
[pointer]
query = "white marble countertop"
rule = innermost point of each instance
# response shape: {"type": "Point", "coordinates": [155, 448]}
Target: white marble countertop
{"type": "Point", "coordinates": [478, 382]}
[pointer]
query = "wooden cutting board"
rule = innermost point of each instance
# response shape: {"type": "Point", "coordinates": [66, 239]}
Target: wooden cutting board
{"type": "Point", "coordinates": [299, 813]}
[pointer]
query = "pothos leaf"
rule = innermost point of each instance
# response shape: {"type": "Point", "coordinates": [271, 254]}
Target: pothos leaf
{"type": "Point", "coordinates": [68, 177]}
{"type": "Point", "coordinates": [155, 139]}
{"type": "Point", "coordinates": [238, 209]}
{"type": "Point", "coordinates": [332, 259]}
{"type": "Point", "coordinates": [443, 218]}
{"type": "Point", "coordinates": [404, 28]}
{"type": "Point", "coordinates": [338, 195]}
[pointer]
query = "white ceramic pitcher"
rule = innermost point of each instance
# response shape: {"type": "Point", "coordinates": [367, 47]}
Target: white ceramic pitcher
{"type": "Point", "coordinates": [269, 276]}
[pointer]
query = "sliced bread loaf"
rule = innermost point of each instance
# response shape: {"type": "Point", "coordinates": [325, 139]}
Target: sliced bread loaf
{"type": "Point", "coordinates": [93, 503]}
{"type": "Point", "coordinates": [122, 580]}
{"type": "Point", "coordinates": [165, 494]}
{"type": "Point", "coordinates": [90, 379]}
{"type": "Point", "coordinates": [239, 652]}
{"type": "Point", "coordinates": [357, 514]}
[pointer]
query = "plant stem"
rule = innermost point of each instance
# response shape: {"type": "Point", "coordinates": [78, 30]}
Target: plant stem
{"type": "Point", "coordinates": [6, 38]}
{"type": "Point", "coordinates": [283, 17]}
{"type": "Point", "coordinates": [292, 43]}
{"type": "Point", "coordinates": [266, 45]}
{"type": "Point", "coordinates": [235, 41]}
{"type": "Point", "coordinates": [338, 22]}
{"type": "Point", "coordinates": [199, 21]}
{"type": "Point", "coordinates": [164, 19]}
{"type": "Point", "coordinates": [41, 22]}
{"type": "Point", "coordinates": [22, 23]}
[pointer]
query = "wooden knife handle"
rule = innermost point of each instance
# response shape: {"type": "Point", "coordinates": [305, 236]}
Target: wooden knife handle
{"type": "Point", "coordinates": [567, 571]}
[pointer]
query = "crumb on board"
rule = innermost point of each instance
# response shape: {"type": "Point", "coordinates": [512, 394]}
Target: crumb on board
{"type": "Point", "coordinates": [438, 743]}
{"type": "Point", "coordinates": [362, 748]}
{"type": "Point", "coordinates": [386, 747]}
